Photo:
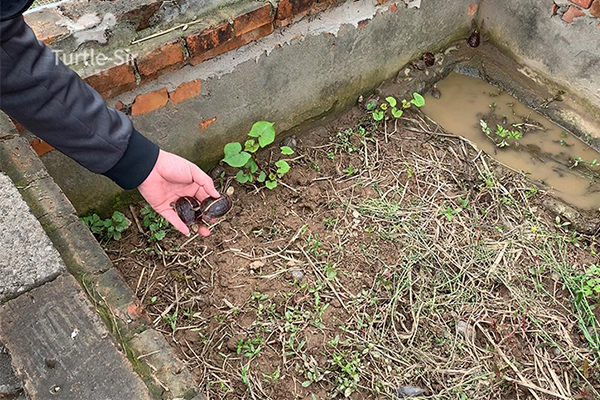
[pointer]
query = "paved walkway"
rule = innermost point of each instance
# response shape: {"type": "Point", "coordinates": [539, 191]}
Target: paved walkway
{"type": "Point", "coordinates": [53, 343]}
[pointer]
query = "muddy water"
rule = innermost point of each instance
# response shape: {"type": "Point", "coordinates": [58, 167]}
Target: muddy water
{"type": "Point", "coordinates": [546, 152]}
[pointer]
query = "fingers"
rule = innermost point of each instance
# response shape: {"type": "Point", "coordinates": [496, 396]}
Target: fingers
{"type": "Point", "coordinates": [203, 230]}
{"type": "Point", "coordinates": [204, 181]}
{"type": "Point", "coordinates": [171, 216]}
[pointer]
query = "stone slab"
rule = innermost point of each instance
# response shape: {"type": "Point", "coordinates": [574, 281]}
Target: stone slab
{"type": "Point", "coordinates": [28, 258]}
{"type": "Point", "coordinates": [10, 385]}
{"type": "Point", "coordinates": [61, 349]}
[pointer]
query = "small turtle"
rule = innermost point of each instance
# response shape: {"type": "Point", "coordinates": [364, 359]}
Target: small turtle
{"type": "Point", "coordinates": [212, 209]}
{"type": "Point", "coordinates": [419, 64]}
{"type": "Point", "coordinates": [474, 39]}
{"type": "Point", "coordinates": [217, 172]}
{"type": "Point", "coordinates": [429, 59]}
{"type": "Point", "coordinates": [187, 208]}
{"type": "Point", "coordinates": [435, 92]}
{"type": "Point", "coordinates": [209, 211]}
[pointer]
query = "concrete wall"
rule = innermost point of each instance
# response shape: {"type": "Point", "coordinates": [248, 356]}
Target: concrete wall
{"type": "Point", "coordinates": [297, 74]}
{"type": "Point", "coordinates": [563, 48]}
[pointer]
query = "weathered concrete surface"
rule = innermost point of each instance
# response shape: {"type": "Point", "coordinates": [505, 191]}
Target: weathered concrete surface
{"type": "Point", "coordinates": [298, 74]}
{"type": "Point", "coordinates": [10, 385]}
{"type": "Point", "coordinates": [562, 53]}
{"type": "Point", "coordinates": [28, 257]}
{"type": "Point", "coordinates": [61, 349]}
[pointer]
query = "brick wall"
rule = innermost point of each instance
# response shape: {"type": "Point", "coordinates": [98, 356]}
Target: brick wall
{"type": "Point", "coordinates": [578, 9]}
{"type": "Point", "coordinates": [189, 43]}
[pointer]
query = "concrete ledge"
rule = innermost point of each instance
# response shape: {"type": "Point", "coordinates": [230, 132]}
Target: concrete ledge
{"type": "Point", "coordinates": [60, 347]}
{"type": "Point", "coordinates": [84, 257]}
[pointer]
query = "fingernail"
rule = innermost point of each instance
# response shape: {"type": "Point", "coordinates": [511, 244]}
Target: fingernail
{"type": "Point", "coordinates": [188, 234]}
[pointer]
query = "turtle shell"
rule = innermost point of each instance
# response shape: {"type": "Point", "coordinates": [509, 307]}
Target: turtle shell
{"type": "Point", "coordinates": [474, 39]}
{"type": "Point", "coordinates": [187, 208]}
{"type": "Point", "coordinates": [212, 209]}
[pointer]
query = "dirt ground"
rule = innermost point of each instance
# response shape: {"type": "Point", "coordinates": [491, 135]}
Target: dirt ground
{"type": "Point", "coordinates": [396, 260]}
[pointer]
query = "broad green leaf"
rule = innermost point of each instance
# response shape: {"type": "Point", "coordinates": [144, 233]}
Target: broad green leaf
{"type": "Point", "coordinates": [371, 105]}
{"type": "Point", "coordinates": [418, 100]}
{"type": "Point", "coordinates": [282, 166]}
{"type": "Point", "coordinates": [286, 150]}
{"type": "Point", "coordinates": [378, 115]}
{"type": "Point", "coordinates": [241, 177]}
{"type": "Point", "coordinates": [261, 177]}
{"type": "Point", "coordinates": [271, 184]}
{"type": "Point", "coordinates": [251, 146]}
{"type": "Point", "coordinates": [391, 100]}
{"type": "Point", "coordinates": [251, 165]}
{"type": "Point", "coordinates": [397, 113]}
{"type": "Point", "coordinates": [234, 156]}
{"type": "Point", "coordinates": [264, 131]}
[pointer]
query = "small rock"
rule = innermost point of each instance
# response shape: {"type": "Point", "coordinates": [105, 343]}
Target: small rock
{"type": "Point", "coordinates": [465, 330]}
{"type": "Point", "coordinates": [419, 64]}
{"type": "Point", "coordinates": [232, 344]}
{"type": "Point", "coordinates": [435, 92]}
{"type": "Point", "coordinates": [409, 391]}
{"type": "Point", "coordinates": [556, 352]}
{"type": "Point", "coordinates": [297, 274]}
{"type": "Point", "coordinates": [579, 222]}
{"type": "Point", "coordinates": [429, 59]}
{"type": "Point", "coordinates": [256, 265]}
{"type": "Point", "coordinates": [290, 142]}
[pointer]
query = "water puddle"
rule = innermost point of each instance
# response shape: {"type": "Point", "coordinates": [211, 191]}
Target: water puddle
{"type": "Point", "coordinates": [525, 140]}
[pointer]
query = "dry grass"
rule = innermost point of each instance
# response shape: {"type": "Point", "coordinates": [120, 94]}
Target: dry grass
{"type": "Point", "coordinates": [446, 275]}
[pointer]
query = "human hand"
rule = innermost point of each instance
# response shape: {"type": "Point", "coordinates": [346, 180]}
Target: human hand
{"type": "Point", "coordinates": [171, 178]}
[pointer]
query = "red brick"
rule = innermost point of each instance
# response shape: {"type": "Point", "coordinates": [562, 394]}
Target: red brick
{"type": "Point", "coordinates": [186, 91]}
{"type": "Point", "coordinates": [234, 43]}
{"type": "Point", "coordinates": [595, 10]}
{"type": "Point", "coordinates": [206, 40]}
{"type": "Point", "coordinates": [165, 58]}
{"type": "Point", "coordinates": [144, 103]}
{"type": "Point", "coordinates": [363, 23]}
{"type": "Point", "coordinates": [46, 25]}
{"type": "Point", "coordinates": [472, 9]}
{"type": "Point", "coordinates": [393, 8]}
{"type": "Point", "coordinates": [40, 147]}
{"type": "Point", "coordinates": [288, 9]}
{"type": "Point", "coordinates": [20, 128]}
{"type": "Point", "coordinates": [572, 13]}
{"type": "Point", "coordinates": [259, 16]}
{"type": "Point", "coordinates": [204, 124]}
{"type": "Point", "coordinates": [112, 81]}
{"type": "Point", "coordinates": [582, 3]}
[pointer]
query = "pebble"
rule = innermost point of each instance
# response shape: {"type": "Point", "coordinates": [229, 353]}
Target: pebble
{"type": "Point", "coordinates": [409, 391]}
{"type": "Point", "coordinates": [465, 330]}
{"type": "Point", "coordinates": [297, 274]}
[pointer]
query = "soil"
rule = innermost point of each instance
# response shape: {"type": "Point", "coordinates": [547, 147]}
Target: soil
{"type": "Point", "coordinates": [351, 277]}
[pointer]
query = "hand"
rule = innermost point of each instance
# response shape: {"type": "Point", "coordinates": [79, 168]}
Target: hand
{"type": "Point", "coordinates": [171, 178]}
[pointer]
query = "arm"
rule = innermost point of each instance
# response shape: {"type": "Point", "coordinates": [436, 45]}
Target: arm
{"type": "Point", "coordinates": [55, 104]}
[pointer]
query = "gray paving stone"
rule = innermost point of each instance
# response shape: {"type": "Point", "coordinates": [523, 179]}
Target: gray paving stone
{"type": "Point", "coordinates": [61, 349]}
{"type": "Point", "coordinates": [27, 257]}
{"type": "Point", "coordinates": [10, 385]}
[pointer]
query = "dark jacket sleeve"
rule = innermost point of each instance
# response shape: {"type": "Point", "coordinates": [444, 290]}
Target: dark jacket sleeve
{"type": "Point", "coordinates": [55, 104]}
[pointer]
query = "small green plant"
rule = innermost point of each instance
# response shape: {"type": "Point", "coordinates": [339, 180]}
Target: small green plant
{"type": "Point", "coordinates": [588, 284]}
{"type": "Point", "coordinates": [350, 170]}
{"type": "Point", "coordinates": [157, 225]}
{"type": "Point", "coordinates": [389, 109]}
{"type": "Point", "coordinates": [502, 135]}
{"type": "Point", "coordinates": [449, 212]}
{"type": "Point", "coordinates": [261, 135]}
{"type": "Point", "coordinates": [249, 348]}
{"type": "Point", "coordinates": [110, 228]}
{"type": "Point", "coordinates": [171, 319]}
